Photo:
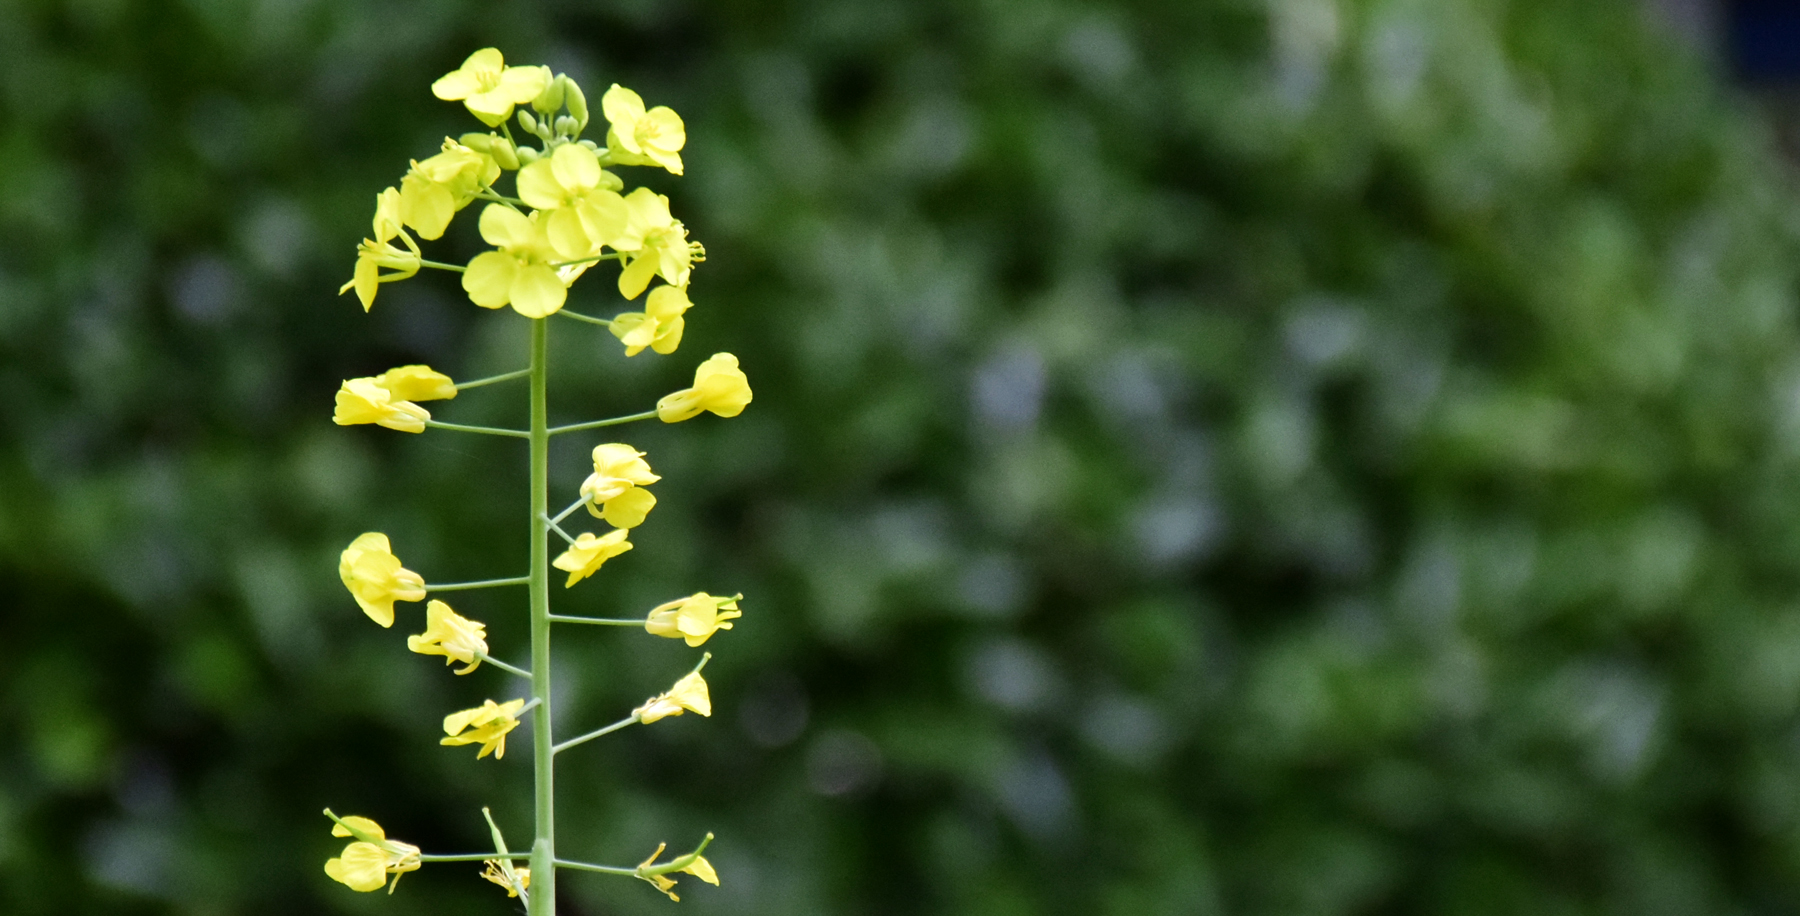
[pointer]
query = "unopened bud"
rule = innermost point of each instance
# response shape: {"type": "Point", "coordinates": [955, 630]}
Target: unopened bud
{"type": "Point", "coordinates": [565, 126]}
{"type": "Point", "coordinates": [577, 102]}
{"type": "Point", "coordinates": [551, 98]}
{"type": "Point", "coordinates": [504, 154]}
{"type": "Point", "coordinates": [527, 155]}
{"type": "Point", "coordinates": [527, 121]}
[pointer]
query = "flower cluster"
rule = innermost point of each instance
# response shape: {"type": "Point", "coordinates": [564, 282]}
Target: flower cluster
{"type": "Point", "coordinates": [570, 211]}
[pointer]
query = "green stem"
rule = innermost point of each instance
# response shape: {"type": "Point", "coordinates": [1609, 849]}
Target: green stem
{"type": "Point", "coordinates": [504, 666]}
{"type": "Point", "coordinates": [499, 198]}
{"type": "Point", "coordinates": [558, 529]}
{"type": "Point", "coordinates": [543, 847]}
{"type": "Point", "coordinates": [475, 856]}
{"type": "Point", "coordinates": [503, 377]}
{"type": "Point", "coordinates": [572, 507]}
{"type": "Point", "coordinates": [484, 583]}
{"type": "Point", "coordinates": [603, 621]}
{"type": "Point", "coordinates": [583, 739]}
{"type": "Point", "coordinates": [588, 866]}
{"type": "Point", "coordinates": [484, 430]}
{"type": "Point", "coordinates": [440, 265]}
{"type": "Point", "coordinates": [615, 256]}
{"type": "Point", "coordinates": [605, 323]}
{"type": "Point", "coordinates": [595, 424]}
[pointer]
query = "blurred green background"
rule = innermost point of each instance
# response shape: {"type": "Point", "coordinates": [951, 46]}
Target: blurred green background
{"type": "Point", "coordinates": [1209, 456]}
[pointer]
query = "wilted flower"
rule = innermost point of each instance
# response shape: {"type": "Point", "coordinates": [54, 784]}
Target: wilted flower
{"type": "Point", "coordinates": [589, 553]}
{"type": "Point", "coordinates": [719, 386]}
{"type": "Point", "coordinates": [376, 579]}
{"type": "Point", "coordinates": [485, 725]}
{"type": "Point", "coordinates": [694, 618]}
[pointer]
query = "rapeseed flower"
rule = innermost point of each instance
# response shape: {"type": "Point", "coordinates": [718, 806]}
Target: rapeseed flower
{"type": "Point", "coordinates": [519, 273]}
{"type": "Point", "coordinates": [656, 241]}
{"type": "Point", "coordinates": [455, 637]}
{"type": "Point", "coordinates": [581, 199]}
{"type": "Point", "coordinates": [615, 491]}
{"type": "Point", "coordinates": [719, 386]}
{"type": "Point", "coordinates": [694, 618]}
{"type": "Point", "coordinates": [639, 137]}
{"type": "Point", "coordinates": [365, 400]}
{"type": "Point", "coordinates": [658, 326]}
{"type": "Point", "coordinates": [365, 864]}
{"type": "Point", "coordinates": [417, 383]}
{"type": "Point", "coordinates": [688, 694]}
{"type": "Point", "coordinates": [516, 879]}
{"type": "Point", "coordinates": [693, 864]}
{"type": "Point", "coordinates": [489, 88]}
{"type": "Point", "coordinates": [379, 252]}
{"type": "Point", "coordinates": [485, 725]}
{"type": "Point", "coordinates": [376, 579]}
{"type": "Point", "coordinates": [589, 553]}
{"type": "Point", "coordinates": [436, 188]}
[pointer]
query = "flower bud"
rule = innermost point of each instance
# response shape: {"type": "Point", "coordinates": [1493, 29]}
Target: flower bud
{"type": "Point", "coordinates": [527, 155]}
{"type": "Point", "coordinates": [551, 98]}
{"type": "Point", "coordinates": [576, 101]}
{"type": "Point", "coordinates": [565, 126]}
{"type": "Point", "coordinates": [527, 121]}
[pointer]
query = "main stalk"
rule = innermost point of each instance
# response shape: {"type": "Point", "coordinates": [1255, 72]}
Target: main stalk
{"type": "Point", "coordinates": [543, 847]}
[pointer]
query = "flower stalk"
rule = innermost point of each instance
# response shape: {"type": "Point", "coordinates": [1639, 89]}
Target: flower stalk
{"type": "Point", "coordinates": [568, 217]}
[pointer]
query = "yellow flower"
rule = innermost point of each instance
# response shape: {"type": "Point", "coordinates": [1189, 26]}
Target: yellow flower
{"type": "Point", "coordinates": [489, 88]}
{"type": "Point", "coordinates": [455, 637]}
{"type": "Point", "coordinates": [366, 863]}
{"type": "Point", "coordinates": [485, 725]}
{"type": "Point", "coordinates": [658, 326]}
{"type": "Point", "coordinates": [417, 383]}
{"type": "Point", "coordinates": [581, 199]}
{"type": "Point", "coordinates": [520, 272]}
{"type": "Point", "coordinates": [656, 240]}
{"type": "Point", "coordinates": [615, 491]}
{"type": "Point", "coordinates": [694, 618]}
{"type": "Point", "coordinates": [689, 693]}
{"type": "Point", "coordinates": [693, 863]}
{"type": "Point", "coordinates": [589, 553]}
{"type": "Point", "coordinates": [516, 879]}
{"type": "Point", "coordinates": [364, 400]}
{"type": "Point", "coordinates": [639, 137]}
{"type": "Point", "coordinates": [376, 579]}
{"type": "Point", "coordinates": [719, 386]}
{"type": "Point", "coordinates": [435, 189]}
{"type": "Point", "coordinates": [378, 252]}
{"type": "Point", "coordinates": [388, 221]}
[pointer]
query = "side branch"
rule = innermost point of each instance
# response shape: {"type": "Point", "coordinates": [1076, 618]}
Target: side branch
{"type": "Point", "coordinates": [503, 377]}
{"type": "Point", "coordinates": [484, 583]}
{"type": "Point", "coordinates": [484, 430]}
{"type": "Point", "coordinates": [475, 856]}
{"type": "Point", "coordinates": [557, 528]}
{"type": "Point", "coordinates": [603, 869]}
{"type": "Point", "coordinates": [503, 666]}
{"type": "Point", "coordinates": [603, 322]}
{"type": "Point", "coordinates": [595, 424]}
{"type": "Point", "coordinates": [603, 621]}
{"type": "Point", "coordinates": [583, 739]}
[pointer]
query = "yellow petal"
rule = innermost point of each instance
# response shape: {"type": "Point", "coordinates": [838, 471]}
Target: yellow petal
{"type": "Point", "coordinates": [503, 227]}
{"type": "Point", "coordinates": [576, 167]}
{"type": "Point", "coordinates": [538, 185]}
{"type": "Point", "coordinates": [627, 510]}
{"type": "Point", "coordinates": [636, 275]}
{"type": "Point", "coordinates": [489, 279]}
{"type": "Point", "coordinates": [537, 292]}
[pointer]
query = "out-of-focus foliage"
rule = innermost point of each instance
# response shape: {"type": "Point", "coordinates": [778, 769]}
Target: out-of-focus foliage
{"type": "Point", "coordinates": [1209, 456]}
